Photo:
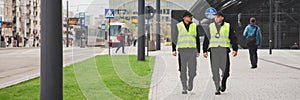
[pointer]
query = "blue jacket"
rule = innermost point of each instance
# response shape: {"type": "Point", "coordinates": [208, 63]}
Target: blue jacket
{"type": "Point", "coordinates": [249, 31]}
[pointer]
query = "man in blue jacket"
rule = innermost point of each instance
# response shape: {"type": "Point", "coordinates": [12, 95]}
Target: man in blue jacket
{"type": "Point", "coordinates": [253, 31]}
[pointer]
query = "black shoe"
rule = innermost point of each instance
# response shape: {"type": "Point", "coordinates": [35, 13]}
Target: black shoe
{"type": "Point", "coordinates": [222, 88]}
{"type": "Point", "coordinates": [253, 67]}
{"type": "Point", "coordinates": [190, 88]}
{"type": "Point", "coordinates": [184, 92]}
{"type": "Point", "coordinates": [218, 93]}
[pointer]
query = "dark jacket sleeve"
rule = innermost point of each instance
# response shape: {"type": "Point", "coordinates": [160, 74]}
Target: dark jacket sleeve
{"type": "Point", "coordinates": [205, 44]}
{"type": "Point", "coordinates": [233, 39]}
{"type": "Point", "coordinates": [198, 40]}
{"type": "Point", "coordinates": [174, 37]}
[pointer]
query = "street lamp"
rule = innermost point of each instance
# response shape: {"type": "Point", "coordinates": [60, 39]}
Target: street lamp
{"type": "Point", "coordinates": [67, 33]}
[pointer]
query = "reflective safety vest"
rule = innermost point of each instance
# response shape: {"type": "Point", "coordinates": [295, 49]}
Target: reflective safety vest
{"type": "Point", "coordinates": [186, 39]}
{"type": "Point", "coordinates": [221, 39]}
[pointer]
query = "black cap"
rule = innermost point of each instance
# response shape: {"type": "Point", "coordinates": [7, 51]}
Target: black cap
{"type": "Point", "coordinates": [220, 13]}
{"type": "Point", "coordinates": [187, 13]}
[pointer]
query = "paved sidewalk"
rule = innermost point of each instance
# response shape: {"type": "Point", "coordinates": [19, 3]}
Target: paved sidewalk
{"type": "Point", "coordinates": [277, 78]}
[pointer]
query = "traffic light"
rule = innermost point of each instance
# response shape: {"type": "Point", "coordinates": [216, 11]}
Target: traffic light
{"type": "Point", "coordinates": [149, 12]}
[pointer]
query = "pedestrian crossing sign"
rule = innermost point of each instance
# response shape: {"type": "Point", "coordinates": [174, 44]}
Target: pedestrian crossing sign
{"type": "Point", "coordinates": [109, 13]}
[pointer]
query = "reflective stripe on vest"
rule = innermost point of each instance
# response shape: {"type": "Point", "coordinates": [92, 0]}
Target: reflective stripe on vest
{"type": "Point", "coordinates": [186, 39]}
{"type": "Point", "coordinates": [223, 40]}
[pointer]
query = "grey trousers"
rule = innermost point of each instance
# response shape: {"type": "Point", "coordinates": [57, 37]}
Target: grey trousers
{"type": "Point", "coordinates": [188, 64]}
{"type": "Point", "coordinates": [219, 60]}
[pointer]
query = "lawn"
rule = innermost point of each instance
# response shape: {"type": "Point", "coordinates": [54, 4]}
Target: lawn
{"type": "Point", "coordinates": [103, 77]}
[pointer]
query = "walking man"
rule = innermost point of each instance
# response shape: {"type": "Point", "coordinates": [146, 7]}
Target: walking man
{"type": "Point", "coordinates": [217, 41]}
{"type": "Point", "coordinates": [254, 37]}
{"type": "Point", "coordinates": [121, 38]}
{"type": "Point", "coordinates": [186, 38]}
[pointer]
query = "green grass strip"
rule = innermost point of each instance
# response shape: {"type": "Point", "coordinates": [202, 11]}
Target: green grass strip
{"type": "Point", "coordinates": [30, 90]}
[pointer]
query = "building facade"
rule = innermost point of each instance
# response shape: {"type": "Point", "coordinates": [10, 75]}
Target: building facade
{"type": "Point", "coordinates": [1, 9]}
{"type": "Point", "coordinates": [128, 10]}
{"type": "Point", "coordinates": [25, 18]}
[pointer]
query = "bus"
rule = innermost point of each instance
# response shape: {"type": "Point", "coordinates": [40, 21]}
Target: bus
{"type": "Point", "coordinates": [115, 30]}
{"type": "Point", "coordinates": [97, 38]}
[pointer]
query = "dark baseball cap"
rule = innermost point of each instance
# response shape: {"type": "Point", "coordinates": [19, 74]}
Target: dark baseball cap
{"type": "Point", "coordinates": [219, 13]}
{"type": "Point", "coordinates": [187, 13]}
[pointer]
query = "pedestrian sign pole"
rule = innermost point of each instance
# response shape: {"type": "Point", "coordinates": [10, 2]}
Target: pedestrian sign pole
{"type": "Point", "coordinates": [1, 32]}
{"type": "Point", "coordinates": [110, 14]}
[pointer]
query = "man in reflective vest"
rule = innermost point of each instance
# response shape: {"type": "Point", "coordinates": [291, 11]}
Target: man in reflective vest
{"type": "Point", "coordinates": [218, 41]}
{"type": "Point", "coordinates": [186, 38]}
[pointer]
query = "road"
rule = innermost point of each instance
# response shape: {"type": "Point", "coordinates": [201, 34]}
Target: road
{"type": "Point", "coordinates": [21, 64]}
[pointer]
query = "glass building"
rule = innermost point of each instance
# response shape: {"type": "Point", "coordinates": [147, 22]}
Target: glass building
{"type": "Point", "coordinates": [284, 30]}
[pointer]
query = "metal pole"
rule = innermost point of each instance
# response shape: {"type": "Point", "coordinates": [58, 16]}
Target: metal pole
{"type": "Point", "coordinates": [1, 35]}
{"type": "Point", "coordinates": [148, 35]}
{"type": "Point", "coordinates": [67, 34]}
{"type": "Point", "coordinates": [299, 25]}
{"type": "Point", "coordinates": [157, 24]}
{"type": "Point", "coordinates": [147, 30]}
{"type": "Point", "coordinates": [141, 30]}
{"type": "Point", "coordinates": [1, 32]}
{"type": "Point", "coordinates": [51, 81]}
{"type": "Point", "coordinates": [276, 28]}
{"type": "Point", "coordinates": [270, 28]}
{"type": "Point", "coordinates": [109, 37]}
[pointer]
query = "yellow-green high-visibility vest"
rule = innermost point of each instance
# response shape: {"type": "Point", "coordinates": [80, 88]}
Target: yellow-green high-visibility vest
{"type": "Point", "coordinates": [223, 39]}
{"type": "Point", "coordinates": [186, 39]}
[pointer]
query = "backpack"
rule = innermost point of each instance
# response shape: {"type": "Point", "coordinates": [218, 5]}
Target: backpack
{"type": "Point", "coordinates": [119, 37]}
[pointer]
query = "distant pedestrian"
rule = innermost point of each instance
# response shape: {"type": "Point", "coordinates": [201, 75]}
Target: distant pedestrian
{"type": "Point", "coordinates": [186, 38]}
{"type": "Point", "coordinates": [218, 41]}
{"type": "Point", "coordinates": [83, 42]}
{"type": "Point", "coordinates": [2, 43]}
{"type": "Point", "coordinates": [134, 41]}
{"type": "Point", "coordinates": [121, 38]}
{"type": "Point", "coordinates": [254, 38]}
{"type": "Point", "coordinates": [38, 41]}
{"type": "Point", "coordinates": [9, 42]}
{"type": "Point", "coordinates": [129, 39]}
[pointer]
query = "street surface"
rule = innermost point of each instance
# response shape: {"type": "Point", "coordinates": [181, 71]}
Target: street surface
{"type": "Point", "coordinates": [21, 64]}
